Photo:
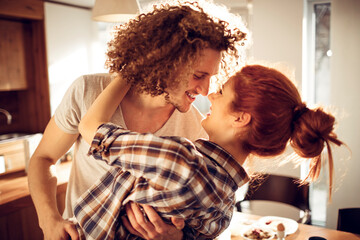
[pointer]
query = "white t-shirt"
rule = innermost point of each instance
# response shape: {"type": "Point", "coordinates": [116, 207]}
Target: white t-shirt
{"type": "Point", "coordinates": [85, 169]}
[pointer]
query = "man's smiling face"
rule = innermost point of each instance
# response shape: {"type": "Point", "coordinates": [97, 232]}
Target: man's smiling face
{"type": "Point", "coordinates": [184, 95]}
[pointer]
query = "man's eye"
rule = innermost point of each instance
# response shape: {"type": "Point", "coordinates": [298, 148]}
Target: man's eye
{"type": "Point", "coordinates": [197, 77]}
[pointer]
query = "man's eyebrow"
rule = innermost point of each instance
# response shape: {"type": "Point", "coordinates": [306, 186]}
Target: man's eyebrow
{"type": "Point", "coordinates": [205, 73]}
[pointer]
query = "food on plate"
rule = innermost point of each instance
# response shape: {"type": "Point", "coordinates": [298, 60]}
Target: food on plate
{"type": "Point", "coordinates": [280, 227]}
{"type": "Point", "coordinates": [272, 222]}
{"type": "Point", "coordinates": [280, 231]}
{"type": "Point", "coordinates": [258, 233]}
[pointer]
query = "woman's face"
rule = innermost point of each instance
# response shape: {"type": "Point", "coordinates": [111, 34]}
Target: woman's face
{"type": "Point", "coordinates": [218, 122]}
{"type": "Point", "coordinates": [184, 95]}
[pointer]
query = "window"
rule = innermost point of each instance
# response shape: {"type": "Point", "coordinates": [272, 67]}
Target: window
{"type": "Point", "coordinates": [316, 85]}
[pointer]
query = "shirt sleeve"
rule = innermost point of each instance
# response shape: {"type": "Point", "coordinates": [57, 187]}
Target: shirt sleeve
{"type": "Point", "coordinates": [166, 162]}
{"type": "Point", "coordinates": [68, 114]}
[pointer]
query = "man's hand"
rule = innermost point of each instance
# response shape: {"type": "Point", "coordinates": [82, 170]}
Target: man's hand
{"type": "Point", "coordinates": [59, 229]}
{"type": "Point", "coordinates": [151, 226]}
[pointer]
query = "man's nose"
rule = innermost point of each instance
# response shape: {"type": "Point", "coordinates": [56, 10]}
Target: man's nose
{"type": "Point", "coordinates": [203, 87]}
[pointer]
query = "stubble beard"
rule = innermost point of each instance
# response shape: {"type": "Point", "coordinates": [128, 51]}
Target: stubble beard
{"type": "Point", "coordinates": [181, 108]}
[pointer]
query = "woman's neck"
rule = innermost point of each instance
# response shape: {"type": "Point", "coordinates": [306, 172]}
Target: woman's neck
{"type": "Point", "coordinates": [234, 148]}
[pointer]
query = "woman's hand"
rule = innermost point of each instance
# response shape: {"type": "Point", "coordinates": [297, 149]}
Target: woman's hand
{"type": "Point", "coordinates": [151, 226]}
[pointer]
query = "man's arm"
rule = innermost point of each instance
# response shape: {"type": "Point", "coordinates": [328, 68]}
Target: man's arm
{"type": "Point", "coordinates": [42, 182]}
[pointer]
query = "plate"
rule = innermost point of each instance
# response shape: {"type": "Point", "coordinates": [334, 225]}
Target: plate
{"type": "Point", "coordinates": [271, 222]}
{"type": "Point", "coordinates": [266, 232]}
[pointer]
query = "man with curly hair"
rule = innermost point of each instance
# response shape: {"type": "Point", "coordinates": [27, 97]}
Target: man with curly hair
{"type": "Point", "coordinates": [168, 56]}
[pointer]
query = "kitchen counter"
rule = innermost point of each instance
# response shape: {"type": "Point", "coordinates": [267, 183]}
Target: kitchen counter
{"type": "Point", "coordinates": [14, 190]}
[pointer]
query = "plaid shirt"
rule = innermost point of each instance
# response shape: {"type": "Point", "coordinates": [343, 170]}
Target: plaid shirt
{"type": "Point", "coordinates": [194, 181]}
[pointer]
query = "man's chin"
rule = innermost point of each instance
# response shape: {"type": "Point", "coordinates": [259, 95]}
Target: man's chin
{"type": "Point", "coordinates": [183, 109]}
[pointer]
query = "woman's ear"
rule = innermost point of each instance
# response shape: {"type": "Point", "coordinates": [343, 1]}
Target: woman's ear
{"type": "Point", "coordinates": [242, 119]}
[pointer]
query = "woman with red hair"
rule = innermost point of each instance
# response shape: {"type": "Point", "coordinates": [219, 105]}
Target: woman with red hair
{"type": "Point", "coordinates": [279, 116]}
{"type": "Point", "coordinates": [258, 111]}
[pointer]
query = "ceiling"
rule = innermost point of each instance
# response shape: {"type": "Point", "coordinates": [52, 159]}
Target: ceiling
{"type": "Point", "coordinates": [90, 3]}
{"type": "Point", "coordinates": [81, 3]}
{"type": "Point", "coordinates": [86, 3]}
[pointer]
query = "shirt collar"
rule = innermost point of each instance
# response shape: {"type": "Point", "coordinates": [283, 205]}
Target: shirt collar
{"type": "Point", "coordinates": [223, 159]}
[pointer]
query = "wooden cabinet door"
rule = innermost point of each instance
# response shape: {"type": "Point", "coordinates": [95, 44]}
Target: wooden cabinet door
{"type": "Point", "coordinates": [12, 56]}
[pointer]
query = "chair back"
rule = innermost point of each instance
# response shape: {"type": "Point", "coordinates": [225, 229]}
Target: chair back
{"type": "Point", "coordinates": [270, 187]}
{"type": "Point", "coordinates": [349, 220]}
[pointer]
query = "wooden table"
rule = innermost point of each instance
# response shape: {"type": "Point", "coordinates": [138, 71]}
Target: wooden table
{"type": "Point", "coordinates": [306, 231]}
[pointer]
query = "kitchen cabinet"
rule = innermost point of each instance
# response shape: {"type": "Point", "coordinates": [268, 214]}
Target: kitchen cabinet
{"type": "Point", "coordinates": [24, 93]}
{"type": "Point", "coordinates": [12, 56]}
{"type": "Point", "coordinates": [24, 87]}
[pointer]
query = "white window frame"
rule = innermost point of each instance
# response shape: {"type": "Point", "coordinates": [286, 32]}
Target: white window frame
{"type": "Point", "coordinates": [308, 62]}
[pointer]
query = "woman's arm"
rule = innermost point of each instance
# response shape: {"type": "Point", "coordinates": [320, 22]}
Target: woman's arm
{"type": "Point", "coordinates": [146, 155]}
{"type": "Point", "coordinates": [103, 108]}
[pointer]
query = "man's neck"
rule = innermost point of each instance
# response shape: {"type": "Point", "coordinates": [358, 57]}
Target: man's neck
{"type": "Point", "coordinates": [144, 113]}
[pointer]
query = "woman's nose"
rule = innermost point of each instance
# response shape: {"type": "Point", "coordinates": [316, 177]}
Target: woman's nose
{"type": "Point", "coordinates": [211, 96]}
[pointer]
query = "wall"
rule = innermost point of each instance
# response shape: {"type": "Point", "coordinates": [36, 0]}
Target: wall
{"type": "Point", "coordinates": [276, 27]}
{"type": "Point", "coordinates": [73, 47]}
{"type": "Point", "coordinates": [277, 32]}
{"type": "Point", "coordinates": [345, 85]}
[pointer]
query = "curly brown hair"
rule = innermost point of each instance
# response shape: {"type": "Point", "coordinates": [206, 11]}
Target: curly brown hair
{"type": "Point", "coordinates": [156, 50]}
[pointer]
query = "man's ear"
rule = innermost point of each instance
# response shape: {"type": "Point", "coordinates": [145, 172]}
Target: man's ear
{"type": "Point", "coordinates": [242, 119]}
